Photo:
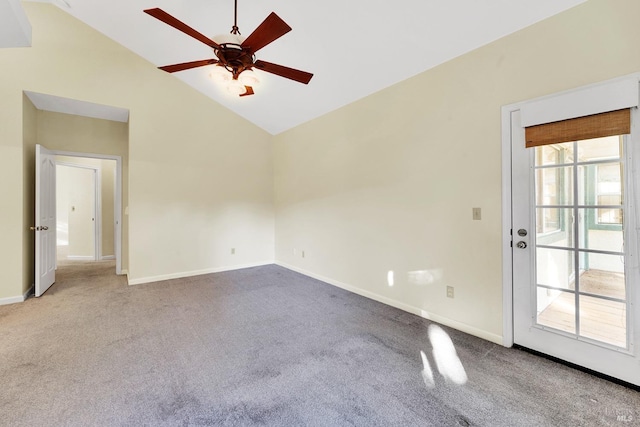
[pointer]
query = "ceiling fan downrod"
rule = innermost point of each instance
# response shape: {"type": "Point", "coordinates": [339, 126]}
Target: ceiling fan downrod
{"type": "Point", "coordinates": [235, 29]}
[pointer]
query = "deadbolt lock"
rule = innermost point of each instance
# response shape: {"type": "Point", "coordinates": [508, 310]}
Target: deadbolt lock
{"type": "Point", "coordinates": [521, 245]}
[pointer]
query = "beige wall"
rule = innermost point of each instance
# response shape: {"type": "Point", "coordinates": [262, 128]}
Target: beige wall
{"type": "Point", "coordinates": [200, 177]}
{"type": "Point", "coordinates": [388, 183]}
{"type": "Point", "coordinates": [30, 139]}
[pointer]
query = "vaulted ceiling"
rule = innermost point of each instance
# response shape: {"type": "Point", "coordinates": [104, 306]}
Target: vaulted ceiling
{"type": "Point", "coordinates": [354, 48]}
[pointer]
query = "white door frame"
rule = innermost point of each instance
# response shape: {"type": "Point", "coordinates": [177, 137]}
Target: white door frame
{"type": "Point", "coordinates": [117, 202]}
{"type": "Point", "coordinates": [507, 260]}
{"type": "Point", "coordinates": [97, 206]}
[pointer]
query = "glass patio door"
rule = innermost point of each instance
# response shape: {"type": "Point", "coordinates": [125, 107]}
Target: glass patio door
{"type": "Point", "coordinates": [575, 269]}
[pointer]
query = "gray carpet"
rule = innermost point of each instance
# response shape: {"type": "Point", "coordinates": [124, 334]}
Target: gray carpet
{"type": "Point", "coordinates": [268, 346]}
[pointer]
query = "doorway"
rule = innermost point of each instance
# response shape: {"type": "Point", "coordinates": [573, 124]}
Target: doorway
{"type": "Point", "coordinates": [85, 208]}
{"type": "Point", "coordinates": [570, 231]}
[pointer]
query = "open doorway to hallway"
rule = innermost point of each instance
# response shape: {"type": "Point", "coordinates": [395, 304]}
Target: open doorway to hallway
{"type": "Point", "coordinates": [85, 209]}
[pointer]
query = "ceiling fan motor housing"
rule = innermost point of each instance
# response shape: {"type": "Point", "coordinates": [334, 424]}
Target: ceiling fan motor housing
{"type": "Point", "coordinates": [234, 58]}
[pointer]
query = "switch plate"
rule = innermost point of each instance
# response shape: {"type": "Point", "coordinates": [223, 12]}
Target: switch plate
{"type": "Point", "coordinates": [449, 291]}
{"type": "Point", "coordinates": [233, 251]}
{"type": "Point", "coordinates": [477, 214]}
{"type": "Point", "coordinates": [302, 254]}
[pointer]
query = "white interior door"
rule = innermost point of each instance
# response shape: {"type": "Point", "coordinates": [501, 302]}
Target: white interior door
{"type": "Point", "coordinates": [45, 227]}
{"type": "Point", "coordinates": [575, 268]}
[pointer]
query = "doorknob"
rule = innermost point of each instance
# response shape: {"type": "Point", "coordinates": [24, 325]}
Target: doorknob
{"type": "Point", "coordinates": [521, 245]}
{"type": "Point", "coordinates": [33, 228]}
{"type": "Point", "coordinates": [44, 227]}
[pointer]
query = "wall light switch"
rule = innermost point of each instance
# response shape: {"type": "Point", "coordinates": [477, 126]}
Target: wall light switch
{"type": "Point", "coordinates": [233, 251]}
{"type": "Point", "coordinates": [449, 291]}
{"type": "Point", "coordinates": [477, 214]}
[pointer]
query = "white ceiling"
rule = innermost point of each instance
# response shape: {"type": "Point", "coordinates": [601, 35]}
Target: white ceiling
{"type": "Point", "coordinates": [15, 30]}
{"type": "Point", "coordinates": [354, 48]}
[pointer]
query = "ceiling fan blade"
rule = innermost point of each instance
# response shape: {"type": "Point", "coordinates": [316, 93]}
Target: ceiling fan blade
{"type": "Point", "coordinates": [187, 65]}
{"type": "Point", "coordinates": [248, 91]}
{"type": "Point", "coordinates": [282, 71]}
{"type": "Point", "coordinates": [271, 29]}
{"type": "Point", "coordinates": [181, 26]}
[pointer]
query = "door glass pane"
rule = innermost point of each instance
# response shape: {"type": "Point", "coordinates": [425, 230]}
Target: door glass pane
{"type": "Point", "coordinates": [555, 268]}
{"type": "Point", "coordinates": [603, 320]}
{"type": "Point", "coordinates": [556, 154]}
{"type": "Point", "coordinates": [556, 309]}
{"type": "Point", "coordinates": [572, 224]}
{"type": "Point", "coordinates": [598, 236]}
{"type": "Point", "coordinates": [554, 227]}
{"type": "Point", "coordinates": [599, 148]}
{"type": "Point", "coordinates": [554, 186]}
{"type": "Point", "coordinates": [602, 274]}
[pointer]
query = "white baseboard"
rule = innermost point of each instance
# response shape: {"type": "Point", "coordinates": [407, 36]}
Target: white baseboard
{"type": "Point", "coordinates": [19, 298]}
{"type": "Point", "coordinates": [81, 258]}
{"type": "Point", "coordinates": [29, 292]}
{"type": "Point", "coordinates": [471, 330]}
{"type": "Point", "coordinates": [107, 257]}
{"type": "Point", "coordinates": [180, 275]}
{"type": "Point", "coordinates": [11, 300]}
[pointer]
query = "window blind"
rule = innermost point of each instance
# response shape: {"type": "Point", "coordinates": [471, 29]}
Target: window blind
{"type": "Point", "coordinates": [594, 126]}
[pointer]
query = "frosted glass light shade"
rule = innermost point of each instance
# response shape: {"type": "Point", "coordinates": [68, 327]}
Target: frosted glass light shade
{"type": "Point", "coordinates": [220, 74]}
{"type": "Point", "coordinates": [228, 38]}
{"type": "Point", "coordinates": [235, 87]}
{"type": "Point", "coordinates": [249, 78]}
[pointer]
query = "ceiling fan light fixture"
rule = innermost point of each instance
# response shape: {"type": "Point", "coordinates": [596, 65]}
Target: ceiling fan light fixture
{"type": "Point", "coordinates": [220, 74]}
{"type": "Point", "coordinates": [249, 78]}
{"type": "Point", "coordinates": [235, 87]}
{"type": "Point", "coordinates": [229, 41]}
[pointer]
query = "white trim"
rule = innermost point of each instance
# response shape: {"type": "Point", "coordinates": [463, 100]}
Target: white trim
{"type": "Point", "coordinates": [401, 306]}
{"type": "Point", "coordinates": [117, 202]}
{"type": "Point", "coordinates": [28, 292]}
{"type": "Point", "coordinates": [610, 95]}
{"type": "Point", "coordinates": [107, 257]}
{"type": "Point", "coordinates": [162, 277]}
{"type": "Point", "coordinates": [14, 300]}
{"type": "Point", "coordinates": [11, 300]}
{"type": "Point", "coordinates": [507, 261]}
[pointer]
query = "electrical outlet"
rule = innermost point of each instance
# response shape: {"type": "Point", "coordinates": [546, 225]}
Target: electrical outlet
{"type": "Point", "coordinates": [449, 291]}
{"type": "Point", "coordinates": [477, 214]}
{"type": "Point", "coordinates": [233, 251]}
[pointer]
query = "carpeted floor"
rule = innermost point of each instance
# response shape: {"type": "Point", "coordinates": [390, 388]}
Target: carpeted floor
{"type": "Point", "coordinates": [268, 346]}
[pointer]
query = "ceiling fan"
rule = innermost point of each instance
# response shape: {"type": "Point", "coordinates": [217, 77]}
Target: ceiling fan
{"type": "Point", "coordinates": [234, 53]}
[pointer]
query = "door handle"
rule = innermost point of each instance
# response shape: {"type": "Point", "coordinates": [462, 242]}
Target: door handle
{"type": "Point", "coordinates": [44, 227]}
{"type": "Point", "coordinates": [521, 245]}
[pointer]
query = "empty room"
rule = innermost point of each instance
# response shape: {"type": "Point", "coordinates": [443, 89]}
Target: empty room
{"type": "Point", "coordinates": [232, 212]}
